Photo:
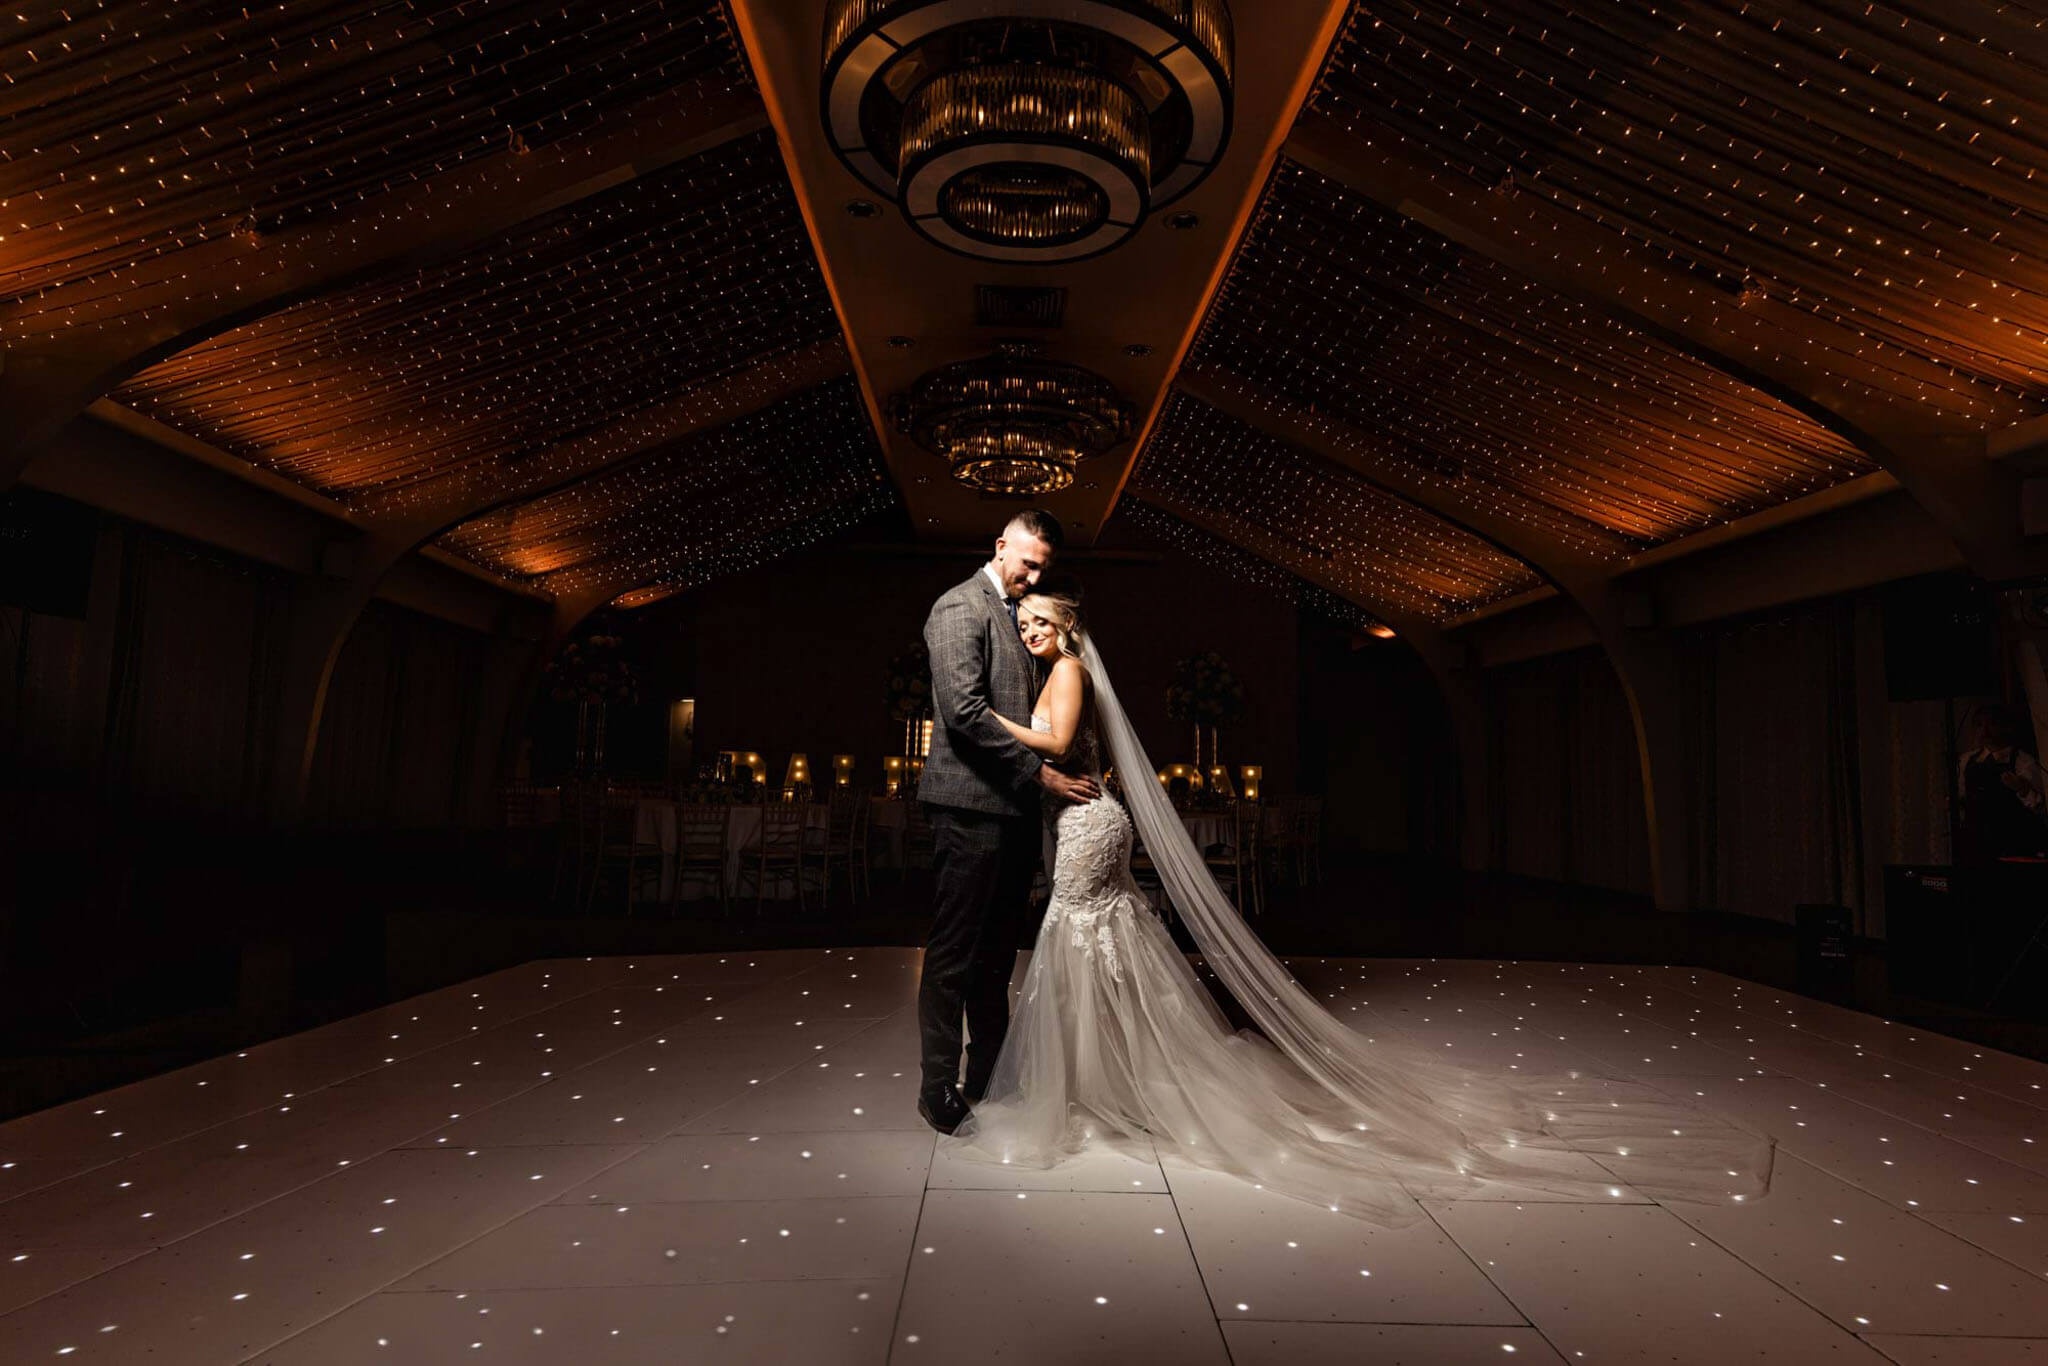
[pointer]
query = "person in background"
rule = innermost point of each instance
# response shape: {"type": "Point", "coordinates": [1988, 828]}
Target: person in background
{"type": "Point", "coordinates": [2002, 793]}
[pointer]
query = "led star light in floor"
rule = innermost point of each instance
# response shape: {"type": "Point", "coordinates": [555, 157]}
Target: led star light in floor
{"type": "Point", "coordinates": [634, 1159]}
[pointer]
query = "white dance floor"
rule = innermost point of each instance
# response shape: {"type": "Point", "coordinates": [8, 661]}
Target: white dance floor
{"type": "Point", "coordinates": [717, 1159]}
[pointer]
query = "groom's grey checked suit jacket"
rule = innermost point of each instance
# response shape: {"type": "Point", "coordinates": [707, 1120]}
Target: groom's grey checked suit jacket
{"type": "Point", "coordinates": [980, 669]}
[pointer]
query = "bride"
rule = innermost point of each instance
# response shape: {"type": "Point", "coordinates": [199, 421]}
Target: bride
{"type": "Point", "coordinates": [1113, 1038]}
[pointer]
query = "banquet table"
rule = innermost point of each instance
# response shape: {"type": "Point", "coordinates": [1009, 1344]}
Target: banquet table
{"type": "Point", "coordinates": [1210, 828]}
{"type": "Point", "coordinates": [654, 823]}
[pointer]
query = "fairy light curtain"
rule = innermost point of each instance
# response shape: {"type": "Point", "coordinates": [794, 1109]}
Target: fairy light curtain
{"type": "Point", "coordinates": [133, 128]}
{"type": "Point", "coordinates": [714, 504]}
{"type": "Point", "coordinates": [1875, 164]}
{"type": "Point", "coordinates": [1239, 564]}
{"type": "Point", "coordinates": [1548, 411]}
{"type": "Point", "coordinates": [1315, 519]}
{"type": "Point", "coordinates": [580, 317]}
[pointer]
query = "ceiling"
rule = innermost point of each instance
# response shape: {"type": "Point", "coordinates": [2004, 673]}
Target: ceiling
{"type": "Point", "coordinates": [599, 277]}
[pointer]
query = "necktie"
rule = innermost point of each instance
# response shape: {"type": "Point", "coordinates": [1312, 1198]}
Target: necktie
{"type": "Point", "coordinates": [1011, 603]}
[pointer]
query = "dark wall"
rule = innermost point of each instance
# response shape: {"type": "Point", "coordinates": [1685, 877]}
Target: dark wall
{"type": "Point", "coordinates": [1375, 743]}
{"type": "Point", "coordinates": [139, 731]}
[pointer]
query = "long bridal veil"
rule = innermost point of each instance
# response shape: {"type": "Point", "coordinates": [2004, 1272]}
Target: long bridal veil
{"type": "Point", "coordinates": [1366, 1110]}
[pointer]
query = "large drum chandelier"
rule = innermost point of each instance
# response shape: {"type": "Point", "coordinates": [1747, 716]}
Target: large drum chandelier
{"type": "Point", "coordinates": [1028, 130]}
{"type": "Point", "coordinates": [1013, 424]}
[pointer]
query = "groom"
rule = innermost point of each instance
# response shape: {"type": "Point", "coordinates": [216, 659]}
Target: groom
{"type": "Point", "coordinates": [982, 790]}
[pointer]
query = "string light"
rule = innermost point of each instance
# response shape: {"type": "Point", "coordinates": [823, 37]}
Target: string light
{"type": "Point", "coordinates": [1237, 563]}
{"type": "Point", "coordinates": [718, 503]}
{"type": "Point", "coordinates": [1536, 406]}
{"type": "Point", "coordinates": [140, 127]}
{"type": "Point", "coordinates": [1317, 520]}
{"type": "Point", "coordinates": [566, 323]}
{"type": "Point", "coordinates": [1867, 166]}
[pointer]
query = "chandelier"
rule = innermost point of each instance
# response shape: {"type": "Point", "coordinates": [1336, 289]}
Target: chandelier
{"type": "Point", "coordinates": [1028, 130]}
{"type": "Point", "coordinates": [1012, 423]}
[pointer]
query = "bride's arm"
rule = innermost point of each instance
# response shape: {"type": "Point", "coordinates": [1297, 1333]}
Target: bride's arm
{"type": "Point", "coordinates": [1035, 740]}
{"type": "Point", "coordinates": [1063, 698]}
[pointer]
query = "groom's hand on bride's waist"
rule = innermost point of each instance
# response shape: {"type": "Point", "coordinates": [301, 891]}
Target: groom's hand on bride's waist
{"type": "Point", "coordinates": [1066, 787]}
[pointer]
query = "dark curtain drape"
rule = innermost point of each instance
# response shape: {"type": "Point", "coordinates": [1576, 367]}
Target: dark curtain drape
{"type": "Point", "coordinates": [46, 739]}
{"type": "Point", "coordinates": [1774, 762]}
{"type": "Point", "coordinates": [150, 721]}
{"type": "Point", "coordinates": [192, 682]}
{"type": "Point", "coordinates": [1566, 774]}
{"type": "Point", "coordinates": [401, 724]}
{"type": "Point", "coordinates": [1907, 757]}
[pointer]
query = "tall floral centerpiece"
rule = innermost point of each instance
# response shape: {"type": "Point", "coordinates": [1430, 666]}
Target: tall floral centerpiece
{"type": "Point", "coordinates": [1205, 693]}
{"type": "Point", "coordinates": [592, 672]}
{"type": "Point", "coordinates": [910, 696]}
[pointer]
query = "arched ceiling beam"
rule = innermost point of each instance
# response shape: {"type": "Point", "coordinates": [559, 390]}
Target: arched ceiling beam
{"type": "Point", "coordinates": [71, 346]}
{"type": "Point", "coordinates": [1925, 424]}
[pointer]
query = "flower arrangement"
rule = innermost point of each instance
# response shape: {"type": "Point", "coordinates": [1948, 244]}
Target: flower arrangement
{"type": "Point", "coordinates": [910, 685]}
{"type": "Point", "coordinates": [593, 669]}
{"type": "Point", "coordinates": [1204, 691]}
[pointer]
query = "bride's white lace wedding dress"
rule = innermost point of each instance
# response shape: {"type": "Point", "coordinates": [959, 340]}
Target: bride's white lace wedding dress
{"type": "Point", "coordinates": [1113, 1037]}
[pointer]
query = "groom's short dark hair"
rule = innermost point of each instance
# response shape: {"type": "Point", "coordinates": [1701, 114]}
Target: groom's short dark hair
{"type": "Point", "coordinates": [1040, 523]}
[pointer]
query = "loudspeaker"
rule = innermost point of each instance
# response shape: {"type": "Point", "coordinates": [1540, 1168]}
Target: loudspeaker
{"type": "Point", "coordinates": [1938, 638]}
{"type": "Point", "coordinates": [1924, 930]}
{"type": "Point", "coordinates": [46, 550]}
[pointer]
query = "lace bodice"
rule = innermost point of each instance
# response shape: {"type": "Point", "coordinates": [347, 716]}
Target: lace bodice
{"type": "Point", "coordinates": [1091, 872]}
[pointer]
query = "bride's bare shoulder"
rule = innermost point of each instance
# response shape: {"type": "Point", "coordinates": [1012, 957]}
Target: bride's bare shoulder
{"type": "Point", "coordinates": [1069, 673]}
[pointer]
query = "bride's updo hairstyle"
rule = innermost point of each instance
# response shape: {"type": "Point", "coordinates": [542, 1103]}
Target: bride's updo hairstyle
{"type": "Point", "coordinates": [1060, 604]}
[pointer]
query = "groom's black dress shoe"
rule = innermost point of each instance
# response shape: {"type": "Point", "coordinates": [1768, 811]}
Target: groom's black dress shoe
{"type": "Point", "coordinates": [976, 1086]}
{"type": "Point", "coordinates": [942, 1106]}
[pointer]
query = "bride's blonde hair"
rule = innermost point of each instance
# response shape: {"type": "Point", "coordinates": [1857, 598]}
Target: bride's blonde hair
{"type": "Point", "coordinates": [1063, 610]}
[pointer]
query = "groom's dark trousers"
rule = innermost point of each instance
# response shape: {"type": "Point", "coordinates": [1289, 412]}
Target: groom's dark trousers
{"type": "Point", "coordinates": [982, 865]}
{"type": "Point", "coordinates": [980, 787]}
